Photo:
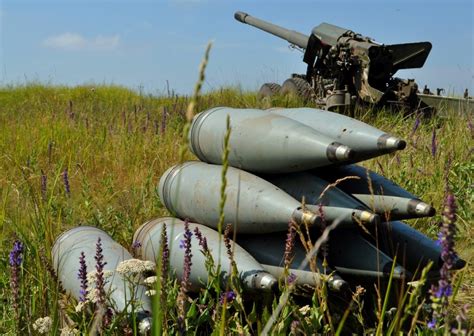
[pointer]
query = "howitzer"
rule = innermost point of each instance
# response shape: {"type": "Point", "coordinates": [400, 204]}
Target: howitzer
{"type": "Point", "coordinates": [344, 67]}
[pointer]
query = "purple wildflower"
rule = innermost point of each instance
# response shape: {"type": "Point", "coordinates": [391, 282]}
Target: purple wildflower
{"type": "Point", "coordinates": [186, 242]}
{"type": "Point", "coordinates": [291, 279]}
{"type": "Point", "coordinates": [202, 240]}
{"type": "Point", "coordinates": [227, 297]}
{"type": "Point", "coordinates": [16, 259]}
{"type": "Point", "coordinates": [99, 267]}
{"type": "Point", "coordinates": [67, 186]}
{"type": "Point", "coordinates": [432, 324]}
{"type": "Point", "coordinates": [82, 276]}
{"type": "Point", "coordinates": [294, 327]}
{"type": "Point", "coordinates": [416, 125]}
{"type": "Point", "coordinates": [165, 253]}
{"type": "Point", "coordinates": [187, 255]}
{"type": "Point", "coordinates": [290, 243]}
{"type": "Point", "coordinates": [434, 145]}
{"type": "Point", "coordinates": [443, 290]}
{"type": "Point", "coordinates": [228, 245]}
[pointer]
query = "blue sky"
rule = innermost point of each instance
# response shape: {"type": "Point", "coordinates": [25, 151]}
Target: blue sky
{"type": "Point", "coordinates": [147, 43]}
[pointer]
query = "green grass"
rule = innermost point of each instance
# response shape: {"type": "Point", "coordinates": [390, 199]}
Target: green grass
{"type": "Point", "coordinates": [115, 144]}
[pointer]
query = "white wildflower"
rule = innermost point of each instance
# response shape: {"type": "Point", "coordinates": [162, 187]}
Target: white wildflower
{"type": "Point", "coordinates": [304, 310]}
{"type": "Point", "coordinates": [81, 305]}
{"type": "Point", "coordinates": [67, 331]}
{"type": "Point", "coordinates": [92, 276]}
{"type": "Point", "coordinates": [134, 266]}
{"type": "Point", "coordinates": [43, 325]}
{"type": "Point", "coordinates": [150, 292]}
{"type": "Point", "coordinates": [150, 266]}
{"type": "Point", "coordinates": [93, 295]}
{"type": "Point", "coordinates": [150, 280]}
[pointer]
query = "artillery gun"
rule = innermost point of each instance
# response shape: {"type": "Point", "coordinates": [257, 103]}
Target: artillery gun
{"type": "Point", "coordinates": [345, 68]}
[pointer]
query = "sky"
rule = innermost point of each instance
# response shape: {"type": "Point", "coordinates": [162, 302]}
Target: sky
{"type": "Point", "coordinates": [149, 45]}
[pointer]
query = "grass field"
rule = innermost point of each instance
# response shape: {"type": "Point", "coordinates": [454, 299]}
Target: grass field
{"type": "Point", "coordinates": [93, 155]}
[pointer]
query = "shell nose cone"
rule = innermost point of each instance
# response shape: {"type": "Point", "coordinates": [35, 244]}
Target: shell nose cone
{"type": "Point", "coordinates": [366, 217]}
{"type": "Point", "coordinates": [399, 272]}
{"type": "Point", "coordinates": [458, 263]}
{"type": "Point", "coordinates": [421, 209]}
{"type": "Point", "coordinates": [338, 285]}
{"type": "Point", "coordinates": [144, 327]}
{"type": "Point", "coordinates": [389, 142]}
{"type": "Point", "coordinates": [266, 282]}
{"type": "Point", "coordinates": [339, 152]}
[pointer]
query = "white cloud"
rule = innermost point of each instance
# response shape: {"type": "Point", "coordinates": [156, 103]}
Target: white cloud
{"type": "Point", "coordinates": [74, 41]}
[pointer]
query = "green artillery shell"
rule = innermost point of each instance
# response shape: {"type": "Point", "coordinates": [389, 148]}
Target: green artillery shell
{"type": "Point", "coordinates": [252, 274]}
{"type": "Point", "coordinates": [365, 140]}
{"type": "Point", "coordinates": [412, 248]}
{"type": "Point", "coordinates": [350, 253]}
{"type": "Point", "coordinates": [66, 252]}
{"type": "Point", "coordinates": [263, 142]}
{"type": "Point", "coordinates": [380, 194]}
{"type": "Point", "coordinates": [269, 250]}
{"type": "Point", "coordinates": [333, 205]}
{"type": "Point", "coordinates": [192, 190]}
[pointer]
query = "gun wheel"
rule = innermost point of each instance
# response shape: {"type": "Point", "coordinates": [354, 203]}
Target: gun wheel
{"type": "Point", "coordinates": [296, 87]}
{"type": "Point", "coordinates": [268, 90]}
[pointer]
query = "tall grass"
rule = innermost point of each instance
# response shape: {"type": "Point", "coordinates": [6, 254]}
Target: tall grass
{"type": "Point", "coordinates": [94, 154]}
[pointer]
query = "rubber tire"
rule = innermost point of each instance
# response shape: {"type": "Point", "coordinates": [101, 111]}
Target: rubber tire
{"type": "Point", "coordinates": [268, 90]}
{"type": "Point", "coordinates": [296, 87]}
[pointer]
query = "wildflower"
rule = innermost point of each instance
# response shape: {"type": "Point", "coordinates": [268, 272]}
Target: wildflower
{"type": "Point", "coordinates": [443, 290]}
{"type": "Point", "coordinates": [187, 255]}
{"type": "Point", "coordinates": [290, 243]}
{"type": "Point", "coordinates": [82, 276]}
{"type": "Point", "coordinates": [416, 124]}
{"type": "Point", "coordinates": [67, 331]}
{"type": "Point", "coordinates": [150, 280]}
{"type": "Point", "coordinates": [202, 240]}
{"type": "Point", "coordinates": [81, 305]}
{"type": "Point", "coordinates": [43, 325]}
{"type": "Point", "coordinates": [150, 292]}
{"type": "Point", "coordinates": [99, 267]}
{"type": "Point", "coordinates": [291, 279]}
{"type": "Point", "coordinates": [165, 252]}
{"type": "Point", "coordinates": [67, 186]}
{"type": "Point", "coordinates": [135, 267]}
{"type": "Point", "coordinates": [294, 327]}
{"type": "Point", "coordinates": [228, 245]}
{"type": "Point", "coordinates": [305, 310]}
{"type": "Point", "coordinates": [16, 258]}
{"type": "Point", "coordinates": [185, 279]}
{"type": "Point", "coordinates": [227, 297]}
{"type": "Point", "coordinates": [92, 276]}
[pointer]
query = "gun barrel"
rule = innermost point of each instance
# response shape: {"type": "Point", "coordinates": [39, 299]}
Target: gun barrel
{"type": "Point", "coordinates": [291, 36]}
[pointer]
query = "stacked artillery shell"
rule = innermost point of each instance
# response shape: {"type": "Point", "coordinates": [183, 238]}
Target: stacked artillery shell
{"type": "Point", "coordinates": [283, 165]}
{"type": "Point", "coordinates": [83, 239]}
{"type": "Point", "coordinates": [252, 274]}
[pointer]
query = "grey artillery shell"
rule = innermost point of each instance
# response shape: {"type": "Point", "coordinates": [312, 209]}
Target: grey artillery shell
{"type": "Point", "coordinates": [335, 204]}
{"type": "Point", "coordinates": [386, 197]}
{"type": "Point", "coordinates": [350, 253]}
{"type": "Point", "coordinates": [262, 142]}
{"type": "Point", "coordinates": [192, 190]}
{"type": "Point", "coordinates": [365, 140]}
{"type": "Point", "coordinates": [252, 274]}
{"type": "Point", "coordinates": [269, 250]}
{"type": "Point", "coordinates": [413, 249]}
{"type": "Point", "coordinates": [66, 252]}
